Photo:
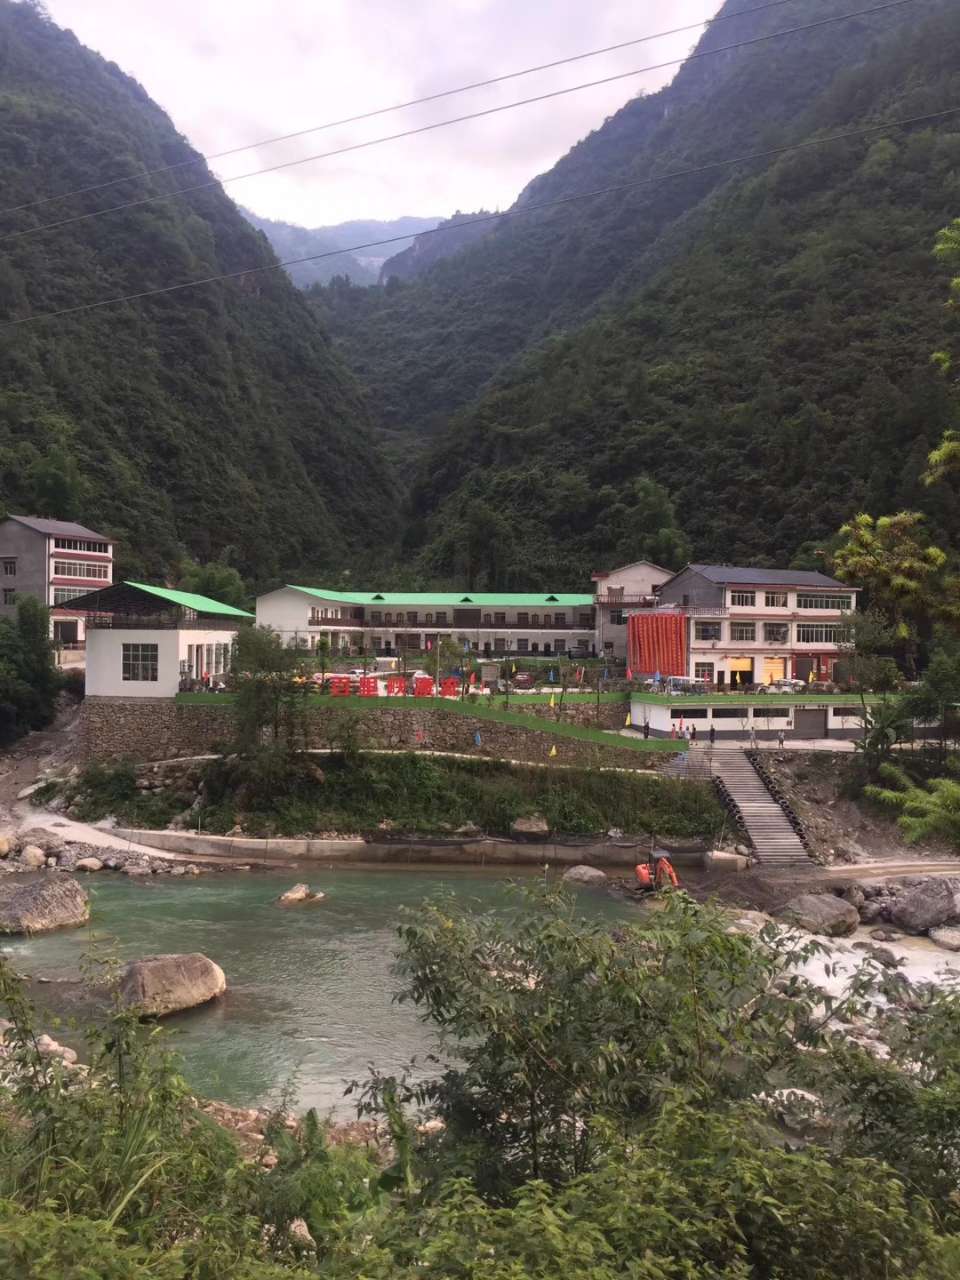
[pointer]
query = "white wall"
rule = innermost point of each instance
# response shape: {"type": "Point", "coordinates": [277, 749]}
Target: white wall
{"type": "Point", "coordinates": [105, 663]}
{"type": "Point", "coordinates": [636, 579]}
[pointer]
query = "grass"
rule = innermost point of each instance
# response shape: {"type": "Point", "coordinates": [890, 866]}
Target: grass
{"type": "Point", "coordinates": [475, 710]}
{"type": "Point", "coordinates": [269, 796]}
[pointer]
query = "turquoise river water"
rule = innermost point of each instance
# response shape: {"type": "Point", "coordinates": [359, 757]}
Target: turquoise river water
{"type": "Point", "coordinates": [310, 996]}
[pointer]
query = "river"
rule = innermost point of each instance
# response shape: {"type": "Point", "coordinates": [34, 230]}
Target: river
{"type": "Point", "coordinates": [310, 988]}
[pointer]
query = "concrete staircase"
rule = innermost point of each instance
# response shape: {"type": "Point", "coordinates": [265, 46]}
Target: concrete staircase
{"type": "Point", "coordinates": [771, 833]}
{"type": "Point", "coordinates": [692, 765]}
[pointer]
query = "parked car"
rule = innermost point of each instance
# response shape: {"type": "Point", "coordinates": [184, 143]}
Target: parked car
{"type": "Point", "coordinates": [783, 686]}
{"type": "Point", "coordinates": [822, 686]}
{"type": "Point", "coordinates": [524, 680]}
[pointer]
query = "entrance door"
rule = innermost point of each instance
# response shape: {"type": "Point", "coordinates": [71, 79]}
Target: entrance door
{"type": "Point", "coordinates": [741, 671]}
{"type": "Point", "coordinates": [774, 669]}
{"type": "Point", "coordinates": [810, 722]}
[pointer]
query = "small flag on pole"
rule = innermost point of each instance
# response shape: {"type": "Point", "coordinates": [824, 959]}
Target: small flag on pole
{"type": "Point", "coordinates": [629, 674]}
{"type": "Point", "coordinates": [513, 669]}
{"type": "Point", "coordinates": [553, 750]}
{"type": "Point", "coordinates": [626, 723]}
{"type": "Point", "coordinates": [552, 702]}
{"type": "Point", "coordinates": [476, 738]}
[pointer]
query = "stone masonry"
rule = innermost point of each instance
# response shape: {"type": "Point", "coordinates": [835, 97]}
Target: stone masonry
{"type": "Point", "coordinates": [141, 729]}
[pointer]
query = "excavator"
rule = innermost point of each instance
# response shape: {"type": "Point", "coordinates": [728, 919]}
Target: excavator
{"type": "Point", "coordinates": [656, 873]}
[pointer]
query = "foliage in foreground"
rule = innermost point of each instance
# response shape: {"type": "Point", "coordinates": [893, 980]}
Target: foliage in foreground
{"type": "Point", "coordinates": [926, 812]}
{"type": "Point", "coordinates": [608, 1111]}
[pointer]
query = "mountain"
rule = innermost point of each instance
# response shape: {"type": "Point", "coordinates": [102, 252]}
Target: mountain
{"type": "Point", "coordinates": [290, 241]}
{"type": "Point", "coordinates": [753, 342]}
{"type": "Point", "coordinates": [213, 420]}
{"type": "Point", "coordinates": [458, 232]}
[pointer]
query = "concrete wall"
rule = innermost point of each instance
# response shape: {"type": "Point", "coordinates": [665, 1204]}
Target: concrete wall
{"type": "Point", "coordinates": [105, 664]}
{"type": "Point", "coordinates": [29, 549]}
{"type": "Point", "coordinates": [767, 721]}
{"type": "Point", "coordinates": [161, 729]}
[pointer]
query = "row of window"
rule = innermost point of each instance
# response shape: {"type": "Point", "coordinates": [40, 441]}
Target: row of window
{"type": "Point", "coordinates": [774, 632]}
{"type": "Point", "coordinates": [440, 619]}
{"type": "Point", "coordinates": [805, 600]}
{"type": "Point", "coordinates": [61, 595]}
{"type": "Point", "coordinates": [81, 569]}
{"type": "Point", "coordinates": [82, 544]}
{"type": "Point", "coordinates": [759, 713]}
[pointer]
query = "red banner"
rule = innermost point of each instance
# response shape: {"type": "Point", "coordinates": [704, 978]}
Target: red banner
{"type": "Point", "coordinates": [657, 642]}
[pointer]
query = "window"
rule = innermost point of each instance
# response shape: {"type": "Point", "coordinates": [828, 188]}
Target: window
{"type": "Point", "coordinates": [429, 619]}
{"type": "Point", "coordinates": [500, 644]}
{"type": "Point", "coordinates": [586, 620]}
{"type": "Point", "coordinates": [776, 632]}
{"type": "Point", "coordinates": [388, 618]}
{"type": "Point", "coordinates": [488, 619]}
{"type": "Point", "coordinates": [441, 618]}
{"type": "Point", "coordinates": [768, 713]}
{"type": "Point", "coordinates": [376, 617]}
{"type": "Point", "coordinates": [62, 594]}
{"type": "Point", "coordinates": [728, 713]}
{"type": "Point", "coordinates": [703, 671]}
{"type": "Point", "coordinates": [559, 619]}
{"type": "Point", "coordinates": [522, 645]}
{"type": "Point", "coordinates": [9, 568]}
{"type": "Point", "coordinates": [847, 713]}
{"type": "Point", "coordinates": [706, 630]}
{"type": "Point", "coordinates": [820, 633]}
{"type": "Point", "coordinates": [9, 595]}
{"type": "Point", "coordinates": [748, 598]}
{"type": "Point", "coordinates": [688, 713]}
{"type": "Point", "coordinates": [81, 569]}
{"type": "Point", "coordinates": [559, 645]}
{"type": "Point", "coordinates": [743, 631]}
{"type": "Point", "coordinates": [499, 619]}
{"type": "Point", "coordinates": [411, 618]}
{"type": "Point", "coordinates": [523, 619]}
{"type": "Point", "coordinates": [140, 661]}
{"type": "Point", "coordinates": [618, 617]}
{"type": "Point", "coordinates": [314, 618]}
{"type": "Point", "coordinates": [775, 599]}
{"type": "Point", "coordinates": [534, 619]}
{"type": "Point", "coordinates": [810, 600]}
{"type": "Point", "coordinates": [82, 544]}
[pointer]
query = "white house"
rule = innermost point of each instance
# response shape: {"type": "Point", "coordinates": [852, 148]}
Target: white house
{"type": "Point", "coordinates": [152, 642]}
{"type": "Point", "coordinates": [617, 593]}
{"type": "Point", "coordinates": [492, 624]}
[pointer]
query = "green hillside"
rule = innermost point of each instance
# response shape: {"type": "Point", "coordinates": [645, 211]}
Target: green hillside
{"type": "Point", "coordinates": [209, 419]}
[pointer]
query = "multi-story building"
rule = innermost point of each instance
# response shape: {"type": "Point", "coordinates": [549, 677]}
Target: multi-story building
{"type": "Point", "coordinates": [391, 622]}
{"type": "Point", "coordinates": [617, 593]}
{"type": "Point", "coordinates": [54, 561]}
{"type": "Point", "coordinates": [736, 626]}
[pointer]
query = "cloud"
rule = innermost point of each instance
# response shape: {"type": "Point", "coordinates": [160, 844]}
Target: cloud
{"type": "Point", "coordinates": [232, 72]}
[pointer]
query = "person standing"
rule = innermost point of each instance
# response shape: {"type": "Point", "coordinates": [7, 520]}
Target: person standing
{"type": "Point", "coordinates": [713, 734]}
{"type": "Point", "coordinates": [693, 735]}
{"type": "Point", "coordinates": [780, 738]}
{"type": "Point", "coordinates": [753, 737]}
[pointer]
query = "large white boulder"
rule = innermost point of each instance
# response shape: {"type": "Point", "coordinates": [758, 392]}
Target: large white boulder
{"type": "Point", "coordinates": [583, 874]}
{"type": "Point", "coordinates": [56, 902]}
{"type": "Point", "coordinates": [158, 985]}
{"type": "Point", "coordinates": [299, 893]}
{"type": "Point", "coordinates": [926, 905]}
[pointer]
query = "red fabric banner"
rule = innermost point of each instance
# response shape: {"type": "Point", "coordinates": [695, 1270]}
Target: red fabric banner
{"type": "Point", "coordinates": [657, 642]}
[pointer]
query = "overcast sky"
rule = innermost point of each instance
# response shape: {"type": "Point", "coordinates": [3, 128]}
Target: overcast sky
{"type": "Point", "coordinates": [231, 72]}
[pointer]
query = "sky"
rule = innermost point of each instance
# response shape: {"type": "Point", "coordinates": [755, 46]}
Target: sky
{"type": "Point", "coordinates": [234, 72]}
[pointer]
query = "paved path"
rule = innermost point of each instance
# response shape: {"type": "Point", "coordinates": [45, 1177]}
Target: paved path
{"type": "Point", "coordinates": [775, 841]}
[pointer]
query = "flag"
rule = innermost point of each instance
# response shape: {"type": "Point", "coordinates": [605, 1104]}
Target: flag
{"type": "Point", "coordinates": [476, 738]}
{"type": "Point", "coordinates": [473, 677]}
{"type": "Point", "coordinates": [429, 645]}
{"type": "Point", "coordinates": [626, 723]}
{"type": "Point", "coordinates": [629, 674]}
{"type": "Point", "coordinates": [552, 703]}
{"type": "Point", "coordinates": [513, 669]}
{"type": "Point", "coordinates": [606, 674]}
{"type": "Point", "coordinates": [466, 646]}
{"type": "Point", "coordinates": [553, 750]}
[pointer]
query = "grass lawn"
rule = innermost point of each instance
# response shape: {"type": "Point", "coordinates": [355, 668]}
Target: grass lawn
{"type": "Point", "coordinates": [475, 709]}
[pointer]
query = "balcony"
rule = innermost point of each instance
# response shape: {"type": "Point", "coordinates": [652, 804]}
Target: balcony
{"type": "Point", "coordinates": [461, 628]}
{"type": "Point", "coordinates": [157, 622]}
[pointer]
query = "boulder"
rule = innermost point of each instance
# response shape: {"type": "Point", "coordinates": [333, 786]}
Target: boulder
{"type": "Point", "coordinates": [51, 1048]}
{"type": "Point", "coordinates": [88, 864]}
{"type": "Point", "coordinates": [583, 874]}
{"type": "Point", "coordinates": [43, 839]}
{"type": "Point", "coordinates": [158, 985]}
{"type": "Point", "coordinates": [136, 869]}
{"type": "Point", "coordinates": [926, 905]}
{"type": "Point", "coordinates": [6, 844]}
{"type": "Point", "coordinates": [885, 935]}
{"type": "Point", "coordinates": [949, 939]}
{"type": "Point", "coordinates": [870, 911]}
{"type": "Point", "coordinates": [821, 913]}
{"type": "Point", "coordinates": [32, 855]}
{"type": "Point", "coordinates": [533, 826]}
{"type": "Point", "coordinates": [854, 895]}
{"type": "Point", "coordinates": [299, 893]}
{"type": "Point", "coordinates": [883, 955]}
{"type": "Point", "coordinates": [56, 902]}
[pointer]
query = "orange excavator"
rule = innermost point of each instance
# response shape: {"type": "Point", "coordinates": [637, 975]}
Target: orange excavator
{"type": "Point", "coordinates": [656, 873]}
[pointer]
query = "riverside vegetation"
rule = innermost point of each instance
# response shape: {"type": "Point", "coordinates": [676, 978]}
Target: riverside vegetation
{"type": "Point", "coordinates": [658, 1102]}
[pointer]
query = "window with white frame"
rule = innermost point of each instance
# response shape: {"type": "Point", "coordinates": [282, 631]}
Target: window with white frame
{"type": "Point", "coordinates": [140, 662]}
{"type": "Point", "coordinates": [775, 599]}
{"type": "Point", "coordinates": [81, 569]}
{"type": "Point", "coordinates": [522, 645]}
{"type": "Point", "coordinates": [821, 633]}
{"type": "Point", "coordinates": [743, 631]}
{"type": "Point", "coordinates": [703, 671]}
{"type": "Point", "coordinates": [776, 632]}
{"type": "Point", "coordinates": [815, 600]}
{"type": "Point", "coordinates": [82, 544]}
{"type": "Point", "coordinates": [706, 630]}
{"type": "Point", "coordinates": [62, 594]}
{"type": "Point", "coordinates": [748, 598]}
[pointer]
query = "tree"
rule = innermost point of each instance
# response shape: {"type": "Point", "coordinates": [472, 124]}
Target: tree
{"type": "Point", "coordinates": [217, 580]}
{"type": "Point", "coordinates": [937, 695]}
{"type": "Point", "coordinates": [944, 461]}
{"type": "Point", "coordinates": [29, 680]}
{"type": "Point", "coordinates": [926, 812]}
{"type": "Point", "coordinates": [270, 698]}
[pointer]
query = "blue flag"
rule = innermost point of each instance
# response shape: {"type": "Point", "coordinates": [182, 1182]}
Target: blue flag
{"type": "Point", "coordinates": [476, 738]}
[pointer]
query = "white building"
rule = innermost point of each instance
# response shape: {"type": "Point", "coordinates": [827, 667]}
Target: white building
{"type": "Point", "coordinates": [152, 642]}
{"type": "Point", "coordinates": [493, 624]}
{"type": "Point", "coordinates": [617, 593]}
{"type": "Point", "coordinates": [54, 561]}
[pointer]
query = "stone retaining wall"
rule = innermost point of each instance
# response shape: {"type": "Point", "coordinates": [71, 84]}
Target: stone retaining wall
{"type": "Point", "coordinates": [161, 729]}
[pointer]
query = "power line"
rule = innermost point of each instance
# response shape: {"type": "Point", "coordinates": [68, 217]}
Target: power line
{"type": "Point", "coordinates": [443, 124]}
{"type": "Point", "coordinates": [493, 217]}
{"type": "Point", "coordinates": [398, 106]}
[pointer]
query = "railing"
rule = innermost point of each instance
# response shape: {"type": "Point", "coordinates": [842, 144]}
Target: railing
{"type": "Point", "coordinates": [344, 624]}
{"type": "Point", "coordinates": [157, 622]}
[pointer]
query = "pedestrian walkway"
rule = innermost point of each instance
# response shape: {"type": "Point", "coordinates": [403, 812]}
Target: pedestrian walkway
{"type": "Point", "coordinates": [774, 839]}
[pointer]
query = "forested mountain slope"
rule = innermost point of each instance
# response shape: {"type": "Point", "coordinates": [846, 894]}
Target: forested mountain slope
{"type": "Point", "coordinates": [210, 418]}
{"type": "Point", "coordinates": [427, 347]}
{"type": "Point", "coordinates": [774, 375]}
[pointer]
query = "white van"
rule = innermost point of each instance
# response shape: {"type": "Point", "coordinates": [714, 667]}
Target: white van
{"type": "Point", "coordinates": [683, 684]}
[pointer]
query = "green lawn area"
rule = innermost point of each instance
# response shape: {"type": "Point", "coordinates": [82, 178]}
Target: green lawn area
{"type": "Point", "coordinates": [475, 709]}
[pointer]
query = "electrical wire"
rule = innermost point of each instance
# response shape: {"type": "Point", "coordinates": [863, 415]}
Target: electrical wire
{"type": "Point", "coordinates": [492, 217]}
{"type": "Point", "coordinates": [443, 124]}
{"type": "Point", "coordinates": [398, 106]}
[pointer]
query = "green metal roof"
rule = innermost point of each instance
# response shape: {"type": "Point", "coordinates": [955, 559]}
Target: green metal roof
{"type": "Point", "coordinates": [202, 604]}
{"type": "Point", "coordinates": [508, 600]}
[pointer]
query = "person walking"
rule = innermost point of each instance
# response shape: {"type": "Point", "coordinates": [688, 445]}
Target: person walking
{"type": "Point", "coordinates": [693, 735]}
{"type": "Point", "coordinates": [753, 737]}
{"type": "Point", "coordinates": [780, 738]}
{"type": "Point", "coordinates": [713, 734]}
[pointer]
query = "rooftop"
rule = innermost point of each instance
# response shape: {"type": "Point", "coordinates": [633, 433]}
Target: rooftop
{"type": "Point", "coordinates": [739, 575]}
{"type": "Point", "coordinates": [490, 599]}
{"type": "Point", "coordinates": [60, 528]}
{"type": "Point", "coordinates": [125, 597]}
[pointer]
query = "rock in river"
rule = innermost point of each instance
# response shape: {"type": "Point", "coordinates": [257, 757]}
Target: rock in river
{"type": "Point", "coordinates": [88, 864]}
{"type": "Point", "coordinates": [165, 984]}
{"type": "Point", "coordinates": [946, 938]}
{"type": "Point", "coordinates": [822, 913]}
{"type": "Point", "coordinates": [583, 874]}
{"type": "Point", "coordinates": [33, 856]}
{"type": "Point", "coordinates": [299, 893]}
{"type": "Point", "coordinates": [929, 904]}
{"type": "Point", "coordinates": [54, 903]}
